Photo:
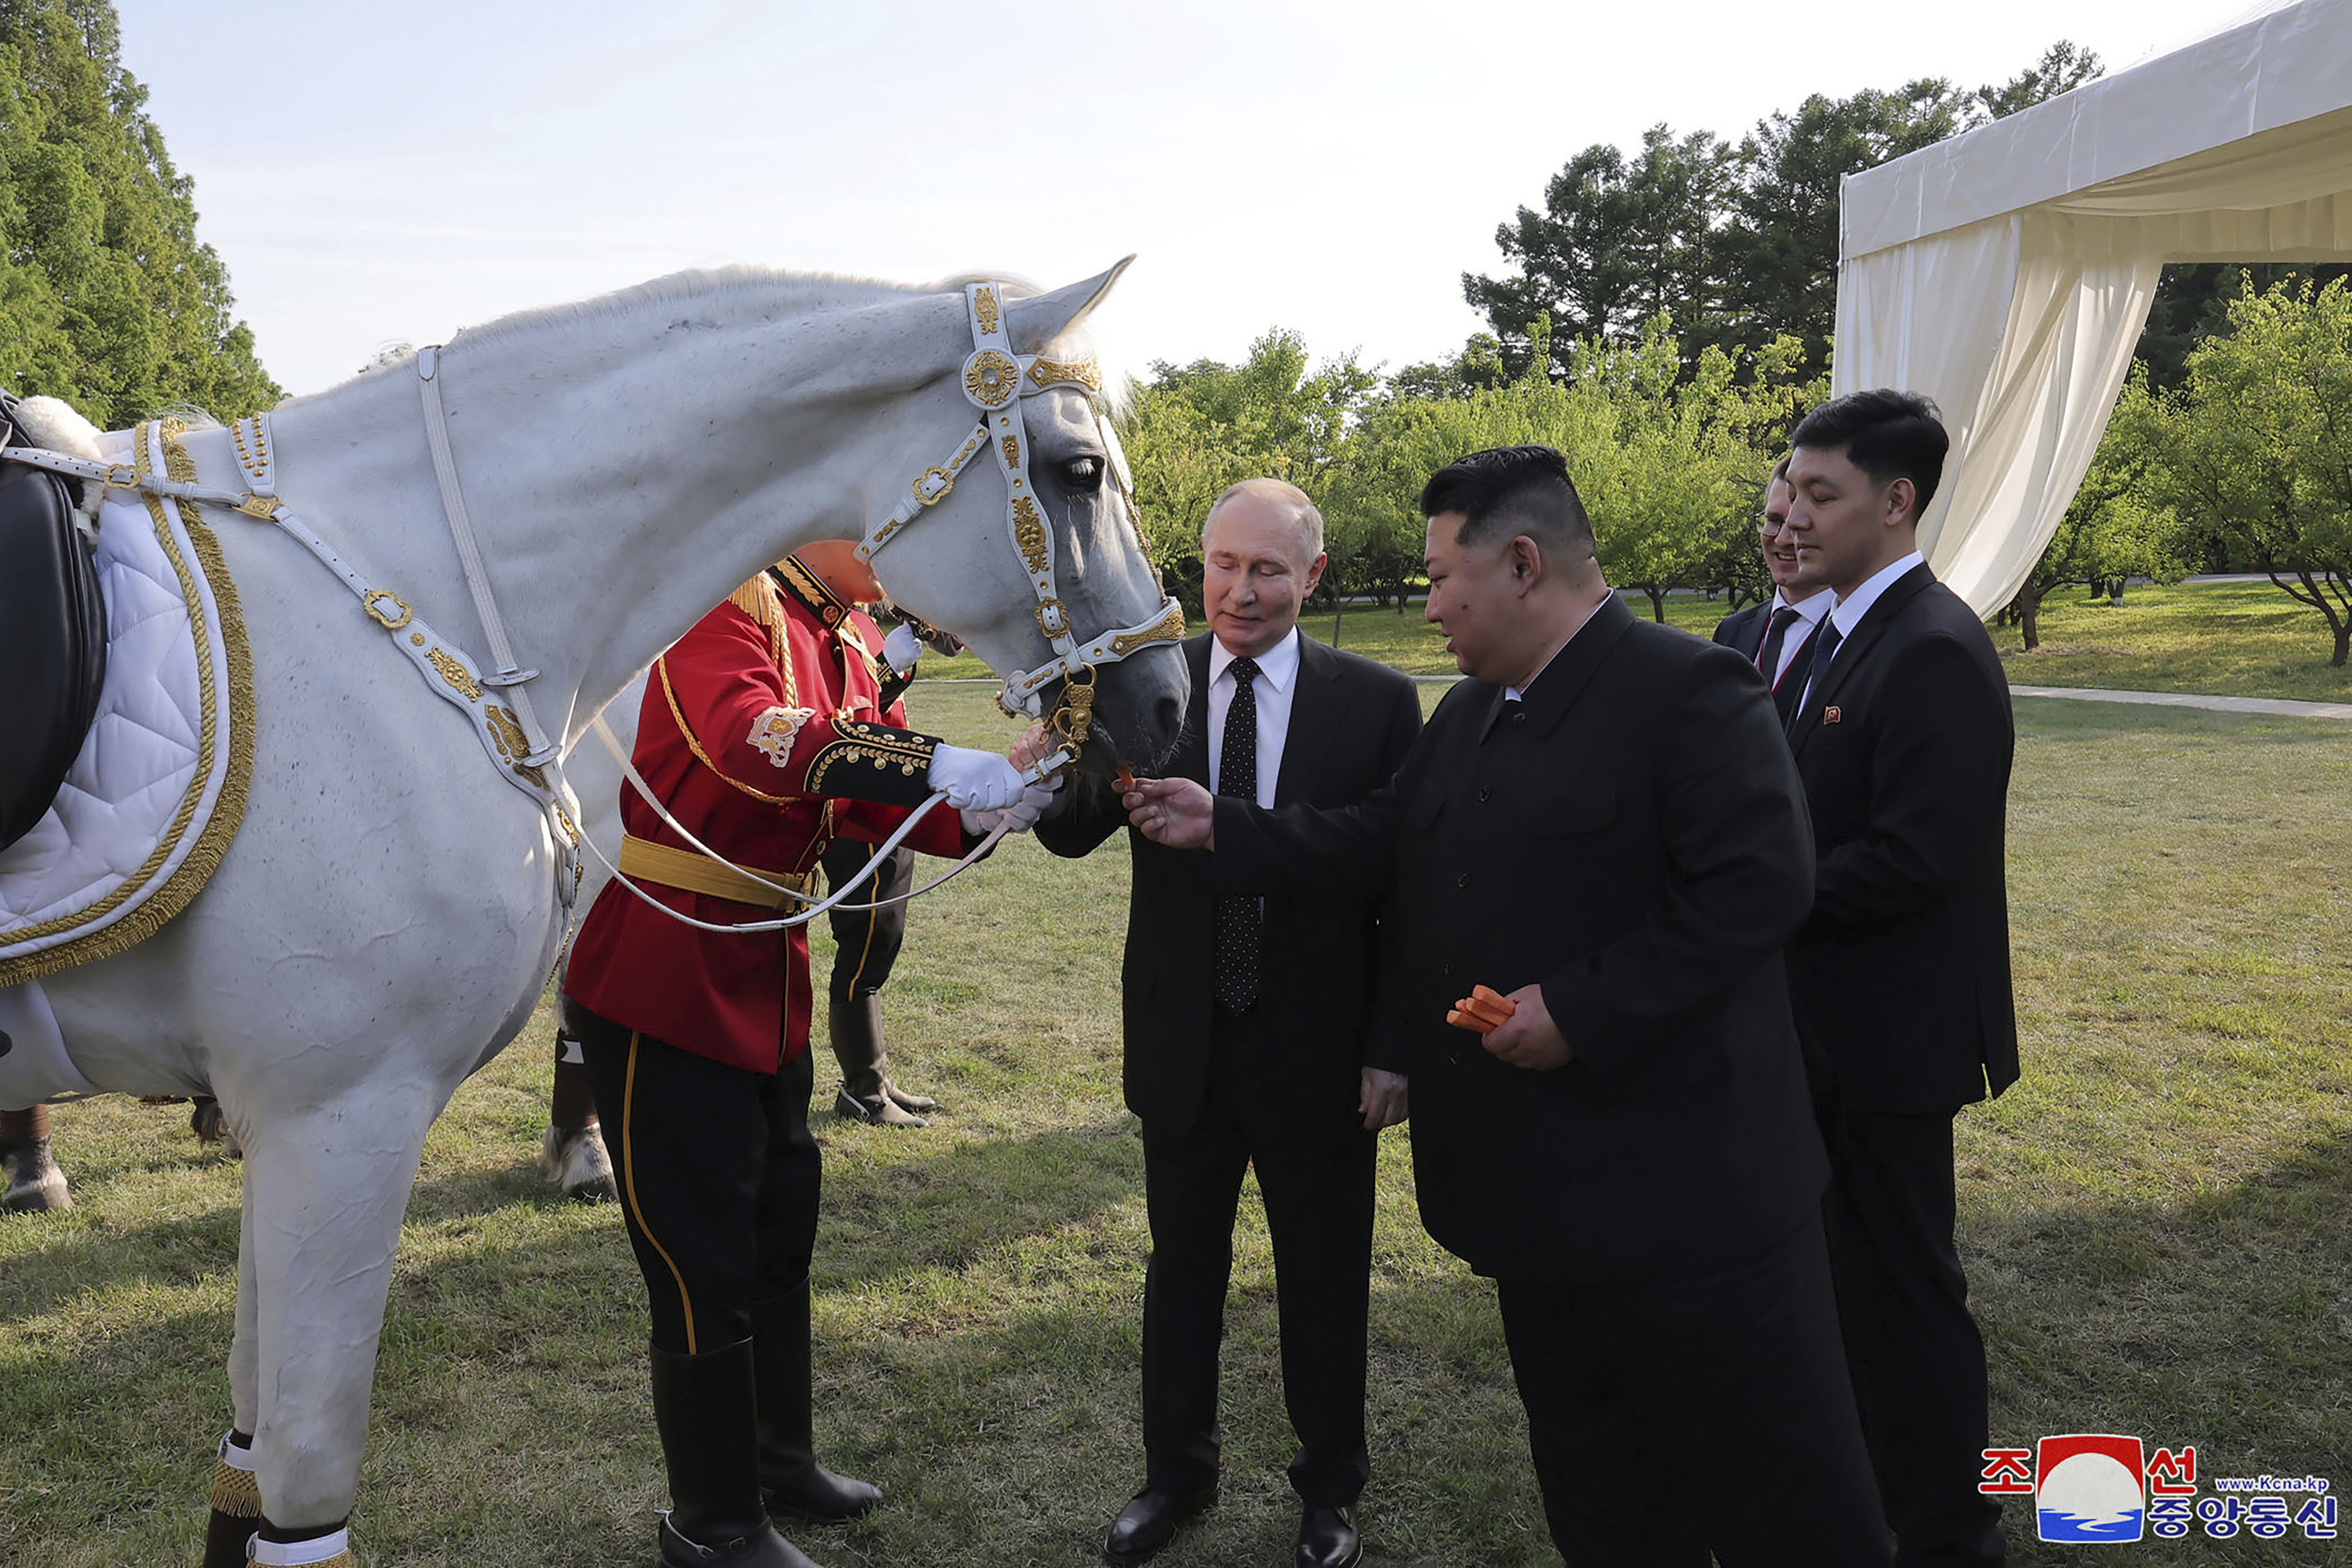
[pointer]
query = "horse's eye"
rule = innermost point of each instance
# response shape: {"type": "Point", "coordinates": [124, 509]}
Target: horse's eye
{"type": "Point", "coordinates": [1083, 473]}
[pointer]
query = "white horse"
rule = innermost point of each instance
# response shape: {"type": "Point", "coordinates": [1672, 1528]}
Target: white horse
{"type": "Point", "coordinates": [388, 907]}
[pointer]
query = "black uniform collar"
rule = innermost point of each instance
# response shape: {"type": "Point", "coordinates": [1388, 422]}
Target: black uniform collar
{"type": "Point", "coordinates": [809, 589]}
{"type": "Point", "coordinates": [1558, 684]}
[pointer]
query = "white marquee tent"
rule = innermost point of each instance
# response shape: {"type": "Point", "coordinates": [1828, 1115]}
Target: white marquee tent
{"type": "Point", "coordinates": [2007, 273]}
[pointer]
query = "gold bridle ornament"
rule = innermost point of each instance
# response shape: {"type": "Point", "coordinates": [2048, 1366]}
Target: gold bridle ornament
{"type": "Point", "coordinates": [995, 379]}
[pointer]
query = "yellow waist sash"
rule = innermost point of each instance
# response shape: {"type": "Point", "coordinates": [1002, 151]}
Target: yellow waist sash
{"type": "Point", "coordinates": [649, 862]}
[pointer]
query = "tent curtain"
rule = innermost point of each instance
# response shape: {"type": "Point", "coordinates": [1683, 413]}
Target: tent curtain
{"type": "Point", "coordinates": [2007, 273]}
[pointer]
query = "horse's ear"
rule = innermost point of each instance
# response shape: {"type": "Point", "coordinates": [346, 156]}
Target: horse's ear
{"type": "Point", "coordinates": [1040, 319]}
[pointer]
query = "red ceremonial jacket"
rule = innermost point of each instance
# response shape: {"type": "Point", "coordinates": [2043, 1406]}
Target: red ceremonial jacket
{"type": "Point", "coordinates": [767, 741]}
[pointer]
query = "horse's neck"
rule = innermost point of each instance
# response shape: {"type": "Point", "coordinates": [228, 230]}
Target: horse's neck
{"type": "Point", "coordinates": [617, 492]}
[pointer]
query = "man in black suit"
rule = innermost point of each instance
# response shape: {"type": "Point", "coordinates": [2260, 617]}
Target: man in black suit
{"type": "Point", "coordinates": [1246, 1039]}
{"type": "Point", "coordinates": [1603, 824]}
{"type": "Point", "coordinates": [1901, 975]}
{"type": "Point", "coordinates": [1777, 635]}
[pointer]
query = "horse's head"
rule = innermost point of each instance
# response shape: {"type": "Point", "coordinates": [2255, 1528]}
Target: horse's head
{"type": "Point", "coordinates": [1019, 538]}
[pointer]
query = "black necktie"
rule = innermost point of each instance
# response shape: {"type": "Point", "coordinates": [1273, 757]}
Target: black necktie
{"type": "Point", "coordinates": [1768, 658]}
{"type": "Point", "coordinates": [1825, 647]}
{"type": "Point", "coordinates": [1239, 919]}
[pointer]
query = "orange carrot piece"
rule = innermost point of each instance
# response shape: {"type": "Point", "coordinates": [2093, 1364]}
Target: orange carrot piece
{"type": "Point", "coordinates": [1125, 779]}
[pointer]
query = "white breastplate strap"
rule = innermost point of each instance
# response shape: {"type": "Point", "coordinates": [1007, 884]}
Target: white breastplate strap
{"type": "Point", "coordinates": [995, 380]}
{"type": "Point", "coordinates": [506, 677]}
{"type": "Point", "coordinates": [447, 671]}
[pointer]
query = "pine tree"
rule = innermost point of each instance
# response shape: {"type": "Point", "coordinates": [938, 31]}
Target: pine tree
{"type": "Point", "coordinates": [107, 297]}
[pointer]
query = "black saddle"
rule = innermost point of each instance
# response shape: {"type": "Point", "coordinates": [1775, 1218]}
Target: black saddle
{"type": "Point", "coordinates": [52, 638]}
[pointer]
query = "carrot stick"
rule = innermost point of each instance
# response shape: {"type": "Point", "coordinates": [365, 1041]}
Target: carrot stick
{"type": "Point", "coordinates": [1125, 779]}
{"type": "Point", "coordinates": [1489, 994]}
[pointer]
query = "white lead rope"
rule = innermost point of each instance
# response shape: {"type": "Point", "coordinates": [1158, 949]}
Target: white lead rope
{"type": "Point", "coordinates": [1034, 774]}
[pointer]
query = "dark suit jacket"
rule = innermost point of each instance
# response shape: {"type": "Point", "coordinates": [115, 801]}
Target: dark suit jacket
{"type": "Point", "coordinates": [1351, 723]}
{"type": "Point", "coordinates": [1901, 977]}
{"type": "Point", "coordinates": [1743, 631]}
{"type": "Point", "coordinates": [1634, 840]}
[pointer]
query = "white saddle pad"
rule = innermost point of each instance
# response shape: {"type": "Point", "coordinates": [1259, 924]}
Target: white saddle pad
{"type": "Point", "coordinates": [158, 789]}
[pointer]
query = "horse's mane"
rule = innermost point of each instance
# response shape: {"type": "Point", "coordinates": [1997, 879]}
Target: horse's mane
{"type": "Point", "coordinates": [775, 289]}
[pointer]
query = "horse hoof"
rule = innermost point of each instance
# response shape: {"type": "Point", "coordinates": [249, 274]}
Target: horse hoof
{"type": "Point", "coordinates": [577, 1164]}
{"type": "Point", "coordinates": [210, 1125]}
{"type": "Point", "coordinates": [34, 1182]}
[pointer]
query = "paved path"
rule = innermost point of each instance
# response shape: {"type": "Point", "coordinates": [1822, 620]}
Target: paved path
{"type": "Point", "coordinates": [2277, 705]}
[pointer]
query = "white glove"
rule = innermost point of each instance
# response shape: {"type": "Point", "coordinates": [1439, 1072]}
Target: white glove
{"type": "Point", "coordinates": [901, 648]}
{"type": "Point", "coordinates": [974, 780]}
{"type": "Point", "coordinates": [1019, 817]}
{"type": "Point", "coordinates": [1023, 815]}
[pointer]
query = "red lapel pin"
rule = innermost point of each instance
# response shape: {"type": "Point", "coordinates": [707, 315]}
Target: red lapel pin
{"type": "Point", "coordinates": [1831, 715]}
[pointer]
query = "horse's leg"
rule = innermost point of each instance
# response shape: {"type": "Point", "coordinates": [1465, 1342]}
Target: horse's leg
{"type": "Point", "coordinates": [327, 1186]}
{"type": "Point", "coordinates": [210, 1124]}
{"type": "Point", "coordinates": [573, 1150]}
{"type": "Point", "coordinates": [30, 1182]}
{"type": "Point", "coordinates": [236, 1495]}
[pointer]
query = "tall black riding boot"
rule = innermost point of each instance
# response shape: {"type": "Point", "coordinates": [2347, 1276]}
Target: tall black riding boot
{"type": "Point", "coordinates": [710, 1436]}
{"type": "Point", "coordinates": [793, 1484]}
{"type": "Point", "coordinates": [867, 1093]}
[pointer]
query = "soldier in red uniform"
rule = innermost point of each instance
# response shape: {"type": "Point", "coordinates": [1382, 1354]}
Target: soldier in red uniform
{"type": "Point", "coordinates": [763, 731]}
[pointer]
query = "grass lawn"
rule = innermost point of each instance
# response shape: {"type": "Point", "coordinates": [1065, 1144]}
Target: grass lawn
{"type": "Point", "coordinates": [2157, 1222]}
{"type": "Point", "coordinates": [2236, 639]}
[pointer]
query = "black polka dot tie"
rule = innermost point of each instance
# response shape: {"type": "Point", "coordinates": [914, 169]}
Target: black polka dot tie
{"type": "Point", "coordinates": [1240, 921]}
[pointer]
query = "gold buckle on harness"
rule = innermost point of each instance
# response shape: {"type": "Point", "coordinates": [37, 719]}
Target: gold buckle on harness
{"type": "Point", "coordinates": [1073, 717]}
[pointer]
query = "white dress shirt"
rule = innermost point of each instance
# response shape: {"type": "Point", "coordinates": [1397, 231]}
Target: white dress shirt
{"type": "Point", "coordinates": [1278, 683]}
{"type": "Point", "coordinates": [1801, 632]}
{"type": "Point", "coordinates": [1849, 613]}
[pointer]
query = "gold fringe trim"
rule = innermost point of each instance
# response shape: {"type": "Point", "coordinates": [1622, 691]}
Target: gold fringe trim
{"type": "Point", "coordinates": [235, 1492]}
{"type": "Point", "coordinates": [228, 811]}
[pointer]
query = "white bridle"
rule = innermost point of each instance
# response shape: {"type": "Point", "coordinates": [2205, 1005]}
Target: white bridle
{"type": "Point", "coordinates": [995, 380]}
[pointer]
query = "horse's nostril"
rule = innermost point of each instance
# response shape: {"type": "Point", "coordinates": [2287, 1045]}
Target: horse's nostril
{"type": "Point", "coordinates": [1166, 718]}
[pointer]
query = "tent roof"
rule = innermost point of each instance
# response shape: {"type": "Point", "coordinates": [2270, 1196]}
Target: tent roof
{"type": "Point", "coordinates": [2195, 130]}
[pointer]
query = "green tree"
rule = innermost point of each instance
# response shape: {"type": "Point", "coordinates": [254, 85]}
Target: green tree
{"type": "Point", "coordinates": [2192, 304]}
{"type": "Point", "coordinates": [1197, 428]}
{"type": "Point", "coordinates": [2114, 528]}
{"type": "Point", "coordinates": [1620, 240]}
{"type": "Point", "coordinates": [1736, 243]}
{"type": "Point", "coordinates": [107, 298]}
{"type": "Point", "coordinates": [2255, 449]}
{"type": "Point", "coordinates": [1781, 240]}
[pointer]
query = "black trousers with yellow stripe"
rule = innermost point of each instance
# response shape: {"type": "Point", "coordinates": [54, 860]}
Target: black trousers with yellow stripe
{"type": "Point", "coordinates": [865, 943]}
{"type": "Point", "coordinates": [717, 1177]}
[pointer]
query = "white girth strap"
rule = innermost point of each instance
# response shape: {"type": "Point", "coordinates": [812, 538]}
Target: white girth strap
{"type": "Point", "coordinates": [506, 676]}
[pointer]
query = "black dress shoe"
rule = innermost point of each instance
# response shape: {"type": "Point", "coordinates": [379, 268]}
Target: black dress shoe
{"type": "Point", "coordinates": [1150, 1521]}
{"type": "Point", "coordinates": [1327, 1538]}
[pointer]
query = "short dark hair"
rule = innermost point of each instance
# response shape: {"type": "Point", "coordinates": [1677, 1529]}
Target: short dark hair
{"type": "Point", "coordinates": [1508, 491]}
{"type": "Point", "coordinates": [1886, 434]}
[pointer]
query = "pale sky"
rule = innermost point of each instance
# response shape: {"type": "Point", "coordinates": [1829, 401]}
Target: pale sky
{"type": "Point", "coordinates": [382, 172]}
